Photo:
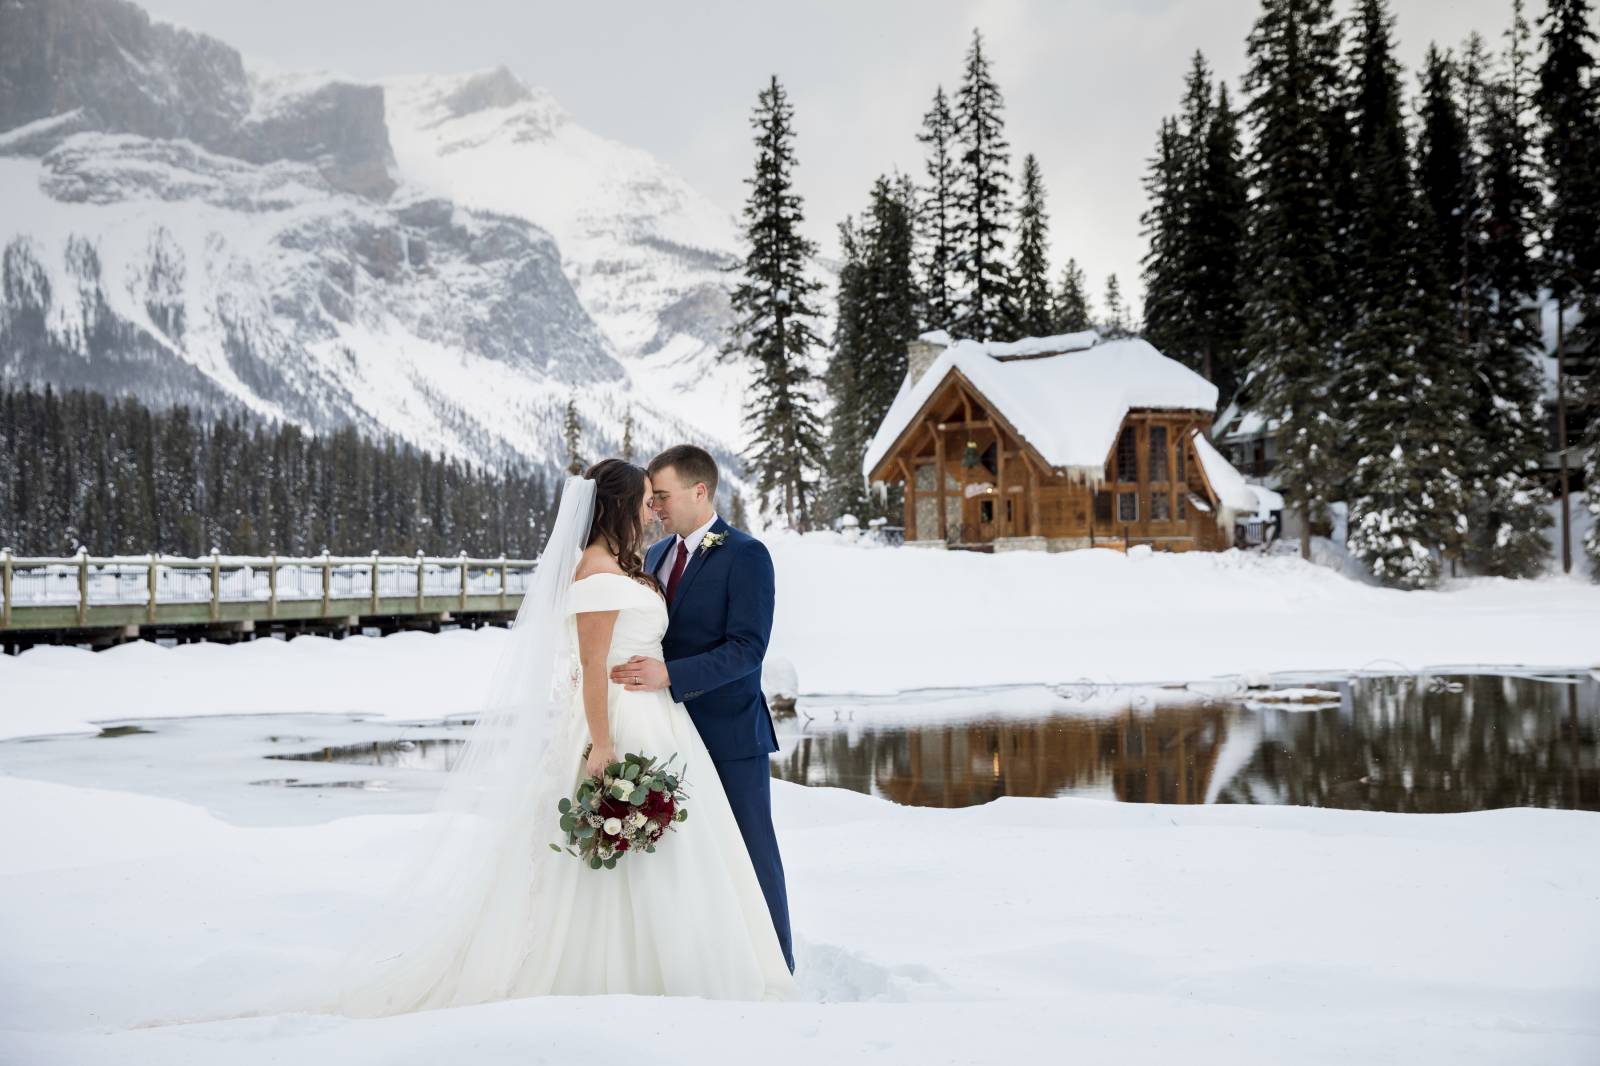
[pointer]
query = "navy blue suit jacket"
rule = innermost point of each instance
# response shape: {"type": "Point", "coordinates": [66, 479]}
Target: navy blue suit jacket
{"type": "Point", "coordinates": [717, 631]}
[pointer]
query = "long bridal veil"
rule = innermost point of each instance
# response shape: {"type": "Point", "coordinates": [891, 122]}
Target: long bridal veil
{"type": "Point", "coordinates": [451, 929]}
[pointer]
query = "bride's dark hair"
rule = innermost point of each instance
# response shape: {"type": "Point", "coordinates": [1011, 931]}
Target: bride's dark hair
{"type": "Point", "coordinates": [618, 495]}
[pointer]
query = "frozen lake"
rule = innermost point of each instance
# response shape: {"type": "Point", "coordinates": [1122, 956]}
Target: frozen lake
{"type": "Point", "coordinates": [1424, 744]}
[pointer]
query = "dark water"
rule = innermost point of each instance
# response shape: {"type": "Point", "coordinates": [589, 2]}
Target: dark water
{"type": "Point", "coordinates": [1405, 744]}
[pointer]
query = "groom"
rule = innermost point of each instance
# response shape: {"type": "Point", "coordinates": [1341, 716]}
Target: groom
{"type": "Point", "coordinates": [719, 587]}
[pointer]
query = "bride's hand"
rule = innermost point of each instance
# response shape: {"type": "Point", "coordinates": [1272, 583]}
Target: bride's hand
{"type": "Point", "coordinates": [600, 757]}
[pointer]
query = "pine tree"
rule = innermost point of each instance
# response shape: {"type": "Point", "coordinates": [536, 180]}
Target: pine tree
{"type": "Point", "coordinates": [1565, 98]}
{"type": "Point", "coordinates": [844, 492]}
{"type": "Point", "coordinates": [1168, 306]}
{"type": "Point", "coordinates": [1217, 221]}
{"type": "Point", "coordinates": [936, 216]}
{"type": "Point", "coordinates": [572, 431]}
{"type": "Point", "coordinates": [1032, 270]}
{"type": "Point", "coordinates": [1072, 311]}
{"type": "Point", "coordinates": [773, 320]}
{"type": "Point", "coordinates": [1478, 194]}
{"type": "Point", "coordinates": [876, 319]}
{"type": "Point", "coordinates": [985, 303]}
{"type": "Point", "coordinates": [1287, 313]}
{"type": "Point", "coordinates": [1116, 324]}
{"type": "Point", "coordinates": [627, 436]}
{"type": "Point", "coordinates": [1399, 379]}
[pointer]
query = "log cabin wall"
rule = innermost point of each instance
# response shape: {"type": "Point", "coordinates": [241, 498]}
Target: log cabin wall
{"type": "Point", "coordinates": [1010, 499]}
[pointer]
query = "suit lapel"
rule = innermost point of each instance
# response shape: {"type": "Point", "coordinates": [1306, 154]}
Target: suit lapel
{"type": "Point", "coordinates": [652, 555]}
{"type": "Point", "coordinates": [693, 568]}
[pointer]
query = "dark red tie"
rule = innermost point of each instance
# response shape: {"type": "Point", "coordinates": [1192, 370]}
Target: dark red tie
{"type": "Point", "coordinates": [677, 569]}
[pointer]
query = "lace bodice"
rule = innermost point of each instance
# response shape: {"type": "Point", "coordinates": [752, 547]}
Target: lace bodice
{"type": "Point", "coordinates": [643, 618]}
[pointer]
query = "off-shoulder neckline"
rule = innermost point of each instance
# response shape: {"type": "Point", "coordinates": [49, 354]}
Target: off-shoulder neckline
{"type": "Point", "coordinates": [610, 573]}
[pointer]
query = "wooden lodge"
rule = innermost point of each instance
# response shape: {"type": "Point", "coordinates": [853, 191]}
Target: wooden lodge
{"type": "Point", "coordinates": [1056, 443]}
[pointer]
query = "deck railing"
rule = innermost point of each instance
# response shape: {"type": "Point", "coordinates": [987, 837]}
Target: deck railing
{"type": "Point", "coordinates": [87, 591]}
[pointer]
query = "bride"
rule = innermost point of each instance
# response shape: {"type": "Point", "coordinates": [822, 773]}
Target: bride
{"type": "Point", "coordinates": [490, 911]}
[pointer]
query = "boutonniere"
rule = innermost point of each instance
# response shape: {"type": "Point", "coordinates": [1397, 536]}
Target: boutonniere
{"type": "Point", "coordinates": [711, 540]}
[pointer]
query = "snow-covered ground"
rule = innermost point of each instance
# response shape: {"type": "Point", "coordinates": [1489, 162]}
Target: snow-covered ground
{"type": "Point", "coordinates": [856, 619]}
{"type": "Point", "coordinates": [136, 889]}
{"type": "Point", "coordinates": [1134, 933]}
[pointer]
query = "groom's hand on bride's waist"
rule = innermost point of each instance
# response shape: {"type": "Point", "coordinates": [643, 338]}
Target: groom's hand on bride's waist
{"type": "Point", "coordinates": [640, 674]}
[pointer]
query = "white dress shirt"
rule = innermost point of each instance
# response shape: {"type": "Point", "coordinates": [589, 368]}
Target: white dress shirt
{"type": "Point", "coordinates": [692, 540]}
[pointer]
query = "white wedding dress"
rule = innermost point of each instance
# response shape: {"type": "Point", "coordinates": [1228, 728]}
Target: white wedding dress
{"type": "Point", "coordinates": [687, 919]}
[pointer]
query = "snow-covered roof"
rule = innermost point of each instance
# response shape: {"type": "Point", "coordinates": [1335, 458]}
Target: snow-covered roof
{"type": "Point", "coordinates": [1065, 395]}
{"type": "Point", "coordinates": [1234, 493]}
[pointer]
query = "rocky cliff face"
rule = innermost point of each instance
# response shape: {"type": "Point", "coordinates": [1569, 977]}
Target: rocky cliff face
{"type": "Point", "coordinates": [106, 61]}
{"type": "Point", "coordinates": [179, 226]}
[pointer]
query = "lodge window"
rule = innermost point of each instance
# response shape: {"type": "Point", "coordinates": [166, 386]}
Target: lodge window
{"type": "Point", "coordinates": [1179, 459]}
{"type": "Point", "coordinates": [1102, 508]}
{"type": "Point", "coordinates": [1127, 456]}
{"type": "Point", "coordinates": [1127, 506]}
{"type": "Point", "coordinates": [986, 511]}
{"type": "Point", "coordinates": [1158, 453]}
{"type": "Point", "coordinates": [1158, 506]}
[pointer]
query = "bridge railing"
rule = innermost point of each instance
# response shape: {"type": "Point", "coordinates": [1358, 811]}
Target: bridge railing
{"type": "Point", "coordinates": [78, 585]}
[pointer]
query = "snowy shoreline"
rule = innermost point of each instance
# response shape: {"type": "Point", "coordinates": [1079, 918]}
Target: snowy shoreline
{"type": "Point", "coordinates": [863, 623]}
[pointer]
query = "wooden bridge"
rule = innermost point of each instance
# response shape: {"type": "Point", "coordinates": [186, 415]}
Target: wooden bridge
{"type": "Point", "coordinates": [101, 601]}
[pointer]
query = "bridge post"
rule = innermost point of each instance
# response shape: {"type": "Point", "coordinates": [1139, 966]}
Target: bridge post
{"type": "Point", "coordinates": [83, 584]}
{"type": "Point", "coordinates": [420, 578]}
{"type": "Point", "coordinates": [374, 581]}
{"type": "Point", "coordinates": [463, 580]}
{"type": "Point", "coordinates": [272, 586]}
{"type": "Point", "coordinates": [216, 586]}
{"type": "Point", "coordinates": [327, 581]}
{"type": "Point", "coordinates": [502, 581]}
{"type": "Point", "coordinates": [151, 583]}
{"type": "Point", "coordinates": [5, 586]}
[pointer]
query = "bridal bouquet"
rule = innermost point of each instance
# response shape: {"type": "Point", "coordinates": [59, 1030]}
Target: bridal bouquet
{"type": "Point", "coordinates": [628, 808]}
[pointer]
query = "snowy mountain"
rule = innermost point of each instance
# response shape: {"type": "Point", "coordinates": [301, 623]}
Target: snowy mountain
{"type": "Point", "coordinates": [645, 252]}
{"type": "Point", "coordinates": [445, 258]}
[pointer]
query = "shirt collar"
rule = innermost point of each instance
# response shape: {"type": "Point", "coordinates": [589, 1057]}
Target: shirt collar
{"type": "Point", "coordinates": [693, 539]}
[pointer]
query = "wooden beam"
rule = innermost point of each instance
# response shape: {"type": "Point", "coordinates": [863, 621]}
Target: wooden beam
{"type": "Point", "coordinates": [1034, 528]}
{"type": "Point", "coordinates": [910, 500]}
{"type": "Point", "coordinates": [938, 480]}
{"type": "Point", "coordinates": [1002, 501]}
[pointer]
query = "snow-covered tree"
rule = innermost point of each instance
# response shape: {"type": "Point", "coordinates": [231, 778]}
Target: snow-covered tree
{"type": "Point", "coordinates": [983, 211]}
{"type": "Point", "coordinates": [1566, 100]}
{"type": "Point", "coordinates": [774, 321]}
{"type": "Point", "coordinates": [1288, 311]}
{"type": "Point", "coordinates": [1400, 375]}
{"type": "Point", "coordinates": [573, 431]}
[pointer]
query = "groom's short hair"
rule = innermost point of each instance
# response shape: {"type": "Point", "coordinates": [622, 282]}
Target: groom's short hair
{"type": "Point", "coordinates": [692, 464]}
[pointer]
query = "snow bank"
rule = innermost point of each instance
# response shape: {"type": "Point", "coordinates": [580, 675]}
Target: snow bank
{"type": "Point", "coordinates": [1107, 932]}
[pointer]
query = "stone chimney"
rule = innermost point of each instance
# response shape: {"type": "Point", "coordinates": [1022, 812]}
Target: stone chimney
{"type": "Point", "coordinates": [921, 352]}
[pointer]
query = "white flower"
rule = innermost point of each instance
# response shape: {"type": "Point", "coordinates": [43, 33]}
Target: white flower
{"type": "Point", "coordinates": [711, 540]}
{"type": "Point", "coordinates": [638, 818]}
{"type": "Point", "coordinates": [613, 826]}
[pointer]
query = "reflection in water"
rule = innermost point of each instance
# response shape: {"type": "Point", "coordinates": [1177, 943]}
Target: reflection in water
{"type": "Point", "coordinates": [434, 754]}
{"type": "Point", "coordinates": [1406, 743]}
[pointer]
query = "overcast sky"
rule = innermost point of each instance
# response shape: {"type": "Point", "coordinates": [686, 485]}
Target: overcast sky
{"type": "Point", "coordinates": [1086, 82]}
